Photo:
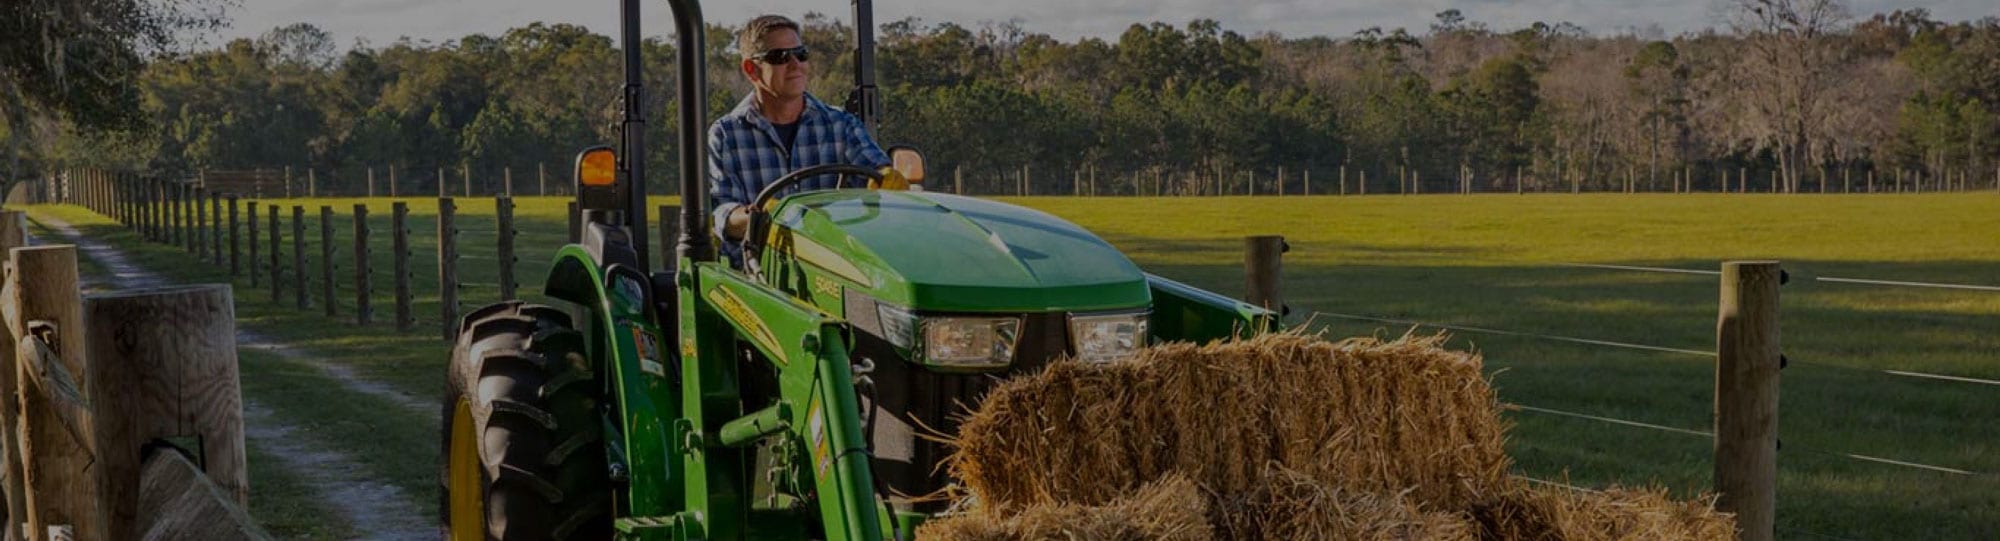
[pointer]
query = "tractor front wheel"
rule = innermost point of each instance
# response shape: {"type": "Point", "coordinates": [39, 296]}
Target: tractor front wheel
{"type": "Point", "coordinates": [523, 448]}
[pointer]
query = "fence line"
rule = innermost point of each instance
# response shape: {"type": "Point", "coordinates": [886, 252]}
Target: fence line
{"type": "Point", "coordinates": [1940, 377]}
{"type": "Point", "coordinates": [1702, 433]}
{"type": "Point", "coordinates": [1469, 328]}
{"type": "Point", "coordinates": [1708, 434]}
{"type": "Point", "coordinates": [1828, 279]}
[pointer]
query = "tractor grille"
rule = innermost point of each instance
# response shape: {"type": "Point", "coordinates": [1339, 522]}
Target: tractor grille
{"type": "Point", "coordinates": [911, 401]}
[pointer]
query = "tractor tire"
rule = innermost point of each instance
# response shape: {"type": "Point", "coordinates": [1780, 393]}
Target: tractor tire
{"type": "Point", "coordinates": [521, 409]}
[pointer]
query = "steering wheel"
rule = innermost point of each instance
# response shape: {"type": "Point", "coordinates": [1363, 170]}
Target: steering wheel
{"type": "Point", "coordinates": [760, 220]}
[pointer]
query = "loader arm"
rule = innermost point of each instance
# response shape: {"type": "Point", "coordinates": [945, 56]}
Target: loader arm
{"type": "Point", "coordinates": [816, 404]}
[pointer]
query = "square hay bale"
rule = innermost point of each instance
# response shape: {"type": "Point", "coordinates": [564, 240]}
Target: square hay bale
{"type": "Point", "coordinates": [1554, 513]}
{"type": "Point", "coordinates": [1360, 415]}
{"type": "Point", "coordinates": [1290, 506]}
{"type": "Point", "coordinates": [1171, 509]}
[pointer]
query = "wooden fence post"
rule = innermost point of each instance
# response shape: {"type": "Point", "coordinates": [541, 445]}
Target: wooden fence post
{"type": "Point", "coordinates": [669, 235]}
{"type": "Point", "coordinates": [13, 234]}
{"type": "Point", "coordinates": [163, 364]}
{"type": "Point", "coordinates": [288, 182]}
{"type": "Point", "coordinates": [173, 208]}
{"type": "Point", "coordinates": [235, 247]}
{"type": "Point", "coordinates": [503, 221]}
{"type": "Point", "coordinates": [312, 183]}
{"type": "Point", "coordinates": [447, 235]}
{"type": "Point", "coordinates": [392, 181]}
{"type": "Point", "coordinates": [1746, 395]}
{"type": "Point", "coordinates": [400, 231]}
{"type": "Point", "coordinates": [57, 452]}
{"type": "Point", "coordinates": [250, 211]}
{"type": "Point", "coordinates": [440, 182]}
{"type": "Point", "coordinates": [575, 223]}
{"type": "Point", "coordinates": [215, 228]}
{"type": "Point", "coordinates": [326, 282]}
{"type": "Point", "coordinates": [299, 283]}
{"type": "Point", "coordinates": [277, 269]}
{"type": "Point", "coordinates": [371, 182]}
{"type": "Point", "coordinates": [507, 177]}
{"type": "Point", "coordinates": [541, 179]}
{"type": "Point", "coordinates": [1263, 258]}
{"type": "Point", "coordinates": [362, 265]}
{"type": "Point", "coordinates": [467, 172]}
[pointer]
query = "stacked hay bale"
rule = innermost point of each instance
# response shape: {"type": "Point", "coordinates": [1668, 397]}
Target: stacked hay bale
{"type": "Point", "coordinates": [1282, 437]}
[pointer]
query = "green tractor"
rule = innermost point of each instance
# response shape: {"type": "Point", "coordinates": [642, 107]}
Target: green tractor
{"type": "Point", "coordinates": [791, 399]}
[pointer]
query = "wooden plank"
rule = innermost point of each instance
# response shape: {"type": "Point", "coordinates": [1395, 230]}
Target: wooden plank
{"type": "Point", "coordinates": [61, 486]}
{"type": "Point", "coordinates": [177, 502]}
{"type": "Point", "coordinates": [168, 369]}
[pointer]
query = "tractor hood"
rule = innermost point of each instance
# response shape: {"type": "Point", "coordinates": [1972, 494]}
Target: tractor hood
{"type": "Point", "coordinates": [947, 253]}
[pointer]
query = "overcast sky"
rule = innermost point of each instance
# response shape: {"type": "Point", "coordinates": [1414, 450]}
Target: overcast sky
{"type": "Point", "coordinates": [383, 21]}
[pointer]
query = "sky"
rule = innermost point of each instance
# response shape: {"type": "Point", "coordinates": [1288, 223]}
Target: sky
{"type": "Point", "coordinates": [381, 22]}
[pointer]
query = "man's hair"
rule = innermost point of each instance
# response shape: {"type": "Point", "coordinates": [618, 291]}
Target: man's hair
{"type": "Point", "coordinates": [750, 42]}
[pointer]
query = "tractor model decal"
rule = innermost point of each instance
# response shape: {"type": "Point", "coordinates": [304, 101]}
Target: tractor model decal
{"type": "Point", "coordinates": [825, 287]}
{"type": "Point", "coordinates": [824, 258]}
{"type": "Point", "coordinates": [733, 308]}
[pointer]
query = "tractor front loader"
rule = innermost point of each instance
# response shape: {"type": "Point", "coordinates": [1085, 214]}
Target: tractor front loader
{"type": "Point", "coordinates": [789, 398]}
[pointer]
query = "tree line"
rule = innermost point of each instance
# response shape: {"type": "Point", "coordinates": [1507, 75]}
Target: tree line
{"type": "Point", "coordinates": [1792, 89]}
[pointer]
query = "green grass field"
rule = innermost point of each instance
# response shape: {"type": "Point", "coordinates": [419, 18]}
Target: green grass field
{"type": "Point", "coordinates": [1489, 261]}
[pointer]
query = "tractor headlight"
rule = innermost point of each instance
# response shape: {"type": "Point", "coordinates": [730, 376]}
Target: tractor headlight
{"type": "Point", "coordinates": [897, 324]}
{"type": "Point", "coordinates": [1100, 338]}
{"type": "Point", "coordinates": [968, 342]}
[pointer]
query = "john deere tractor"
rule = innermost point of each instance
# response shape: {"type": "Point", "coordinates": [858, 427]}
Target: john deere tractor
{"type": "Point", "coordinates": [790, 398]}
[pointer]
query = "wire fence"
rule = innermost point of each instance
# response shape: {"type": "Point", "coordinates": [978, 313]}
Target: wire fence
{"type": "Point", "coordinates": [441, 238]}
{"type": "Point", "coordinates": [1799, 443]}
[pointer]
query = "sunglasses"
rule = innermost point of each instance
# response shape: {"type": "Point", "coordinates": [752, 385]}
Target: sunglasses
{"type": "Point", "coordinates": [780, 57]}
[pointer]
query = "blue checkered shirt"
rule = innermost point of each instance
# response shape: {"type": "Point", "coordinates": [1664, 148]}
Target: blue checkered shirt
{"type": "Point", "coordinates": [745, 154]}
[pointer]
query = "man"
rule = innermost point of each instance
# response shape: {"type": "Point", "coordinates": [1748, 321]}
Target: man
{"type": "Point", "coordinates": [778, 128]}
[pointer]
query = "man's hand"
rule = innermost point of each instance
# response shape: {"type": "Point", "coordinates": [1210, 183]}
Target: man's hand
{"type": "Point", "coordinates": [891, 180]}
{"type": "Point", "coordinates": [737, 224]}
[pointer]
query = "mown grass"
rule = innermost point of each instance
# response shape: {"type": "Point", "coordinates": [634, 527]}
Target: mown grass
{"type": "Point", "coordinates": [1486, 261]}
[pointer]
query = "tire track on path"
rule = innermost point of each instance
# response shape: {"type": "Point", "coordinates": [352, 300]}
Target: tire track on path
{"type": "Point", "coordinates": [376, 509]}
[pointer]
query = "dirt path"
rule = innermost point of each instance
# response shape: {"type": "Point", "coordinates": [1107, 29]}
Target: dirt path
{"type": "Point", "coordinates": [376, 509]}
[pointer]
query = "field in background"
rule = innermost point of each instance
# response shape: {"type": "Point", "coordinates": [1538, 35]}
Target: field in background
{"type": "Point", "coordinates": [1490, 261]}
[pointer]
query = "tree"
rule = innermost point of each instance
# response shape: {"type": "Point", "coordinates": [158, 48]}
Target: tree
{"type": "Point", "coordinates": [72, 63]}
{"type": "Point", "coordinates": [1788, 72]}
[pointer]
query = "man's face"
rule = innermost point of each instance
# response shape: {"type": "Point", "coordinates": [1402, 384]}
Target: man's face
{"type": "Point", "coordinates": [784, 81]}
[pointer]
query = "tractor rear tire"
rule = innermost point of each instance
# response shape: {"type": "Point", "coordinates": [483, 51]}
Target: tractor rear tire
{"type": "Point", "coordinates": [521, 408]}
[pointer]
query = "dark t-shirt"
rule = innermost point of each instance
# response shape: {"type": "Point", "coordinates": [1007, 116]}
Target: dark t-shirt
{"type": "Point", "coordinates": [787, 133]}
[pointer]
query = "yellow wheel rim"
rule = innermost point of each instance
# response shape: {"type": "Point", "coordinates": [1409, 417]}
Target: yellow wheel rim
{"type": "Point", "coordinates": [468, 500]}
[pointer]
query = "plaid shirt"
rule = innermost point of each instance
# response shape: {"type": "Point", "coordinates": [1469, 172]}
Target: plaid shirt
{"type": "Point", "coordinates": [745, 154]}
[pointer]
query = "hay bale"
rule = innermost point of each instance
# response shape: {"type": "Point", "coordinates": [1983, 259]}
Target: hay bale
{"type": "Point", "coordinates": [1291, 506]}
{"type": "Point", "coordinates": [1280, 437]}
{"type": "Point", "coordinates": [1560, 514]}
{"type": "Point", "coordinates": [1169, 510]}
{"type": "Point", "coordinates": [1359, 415]}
